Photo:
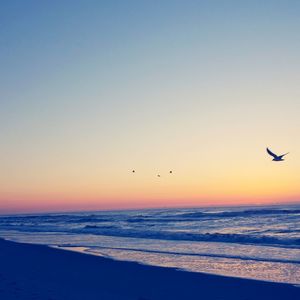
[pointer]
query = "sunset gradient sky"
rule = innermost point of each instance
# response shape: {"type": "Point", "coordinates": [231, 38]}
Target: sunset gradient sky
{"type": "Point", "coordinates": [90, 90]}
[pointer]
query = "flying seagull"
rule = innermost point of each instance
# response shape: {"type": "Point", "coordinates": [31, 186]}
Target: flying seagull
{"type": "Point", "coordinates": [276, 157]}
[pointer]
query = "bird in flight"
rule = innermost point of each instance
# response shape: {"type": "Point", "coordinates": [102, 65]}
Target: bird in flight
{"type": "Point", "coordinates": [275, 156]}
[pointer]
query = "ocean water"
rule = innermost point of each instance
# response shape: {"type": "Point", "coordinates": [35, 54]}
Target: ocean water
{"type": "Point", "coordinates": [250, 242]}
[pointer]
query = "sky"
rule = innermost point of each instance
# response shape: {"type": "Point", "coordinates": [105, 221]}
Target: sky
{"type": "Point", "coordinates": [90, 90]}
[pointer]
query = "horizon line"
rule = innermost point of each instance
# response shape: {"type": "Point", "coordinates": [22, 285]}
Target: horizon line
{"type": "Point", "coordinates": [149, 208]}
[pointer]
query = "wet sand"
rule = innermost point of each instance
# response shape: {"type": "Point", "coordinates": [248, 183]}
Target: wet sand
{"type": "Point", "coordinates": [39, 272]}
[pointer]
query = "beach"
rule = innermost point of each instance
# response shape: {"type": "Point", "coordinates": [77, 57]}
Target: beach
{"type": "Point", "coordinates": [41, 272]}
{"type": "Point", "coordinates": [259, 243]}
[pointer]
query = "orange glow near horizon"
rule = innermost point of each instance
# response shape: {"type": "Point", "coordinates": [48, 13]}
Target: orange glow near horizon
{"type": "Point", "coordinates": [248, 182]}
{"type": "Point", "coordinates": [70, 205]}
{"type": "Point", "coordinates": [254, 181]}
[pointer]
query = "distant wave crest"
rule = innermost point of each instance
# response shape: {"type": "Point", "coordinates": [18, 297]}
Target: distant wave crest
{"type": "Point", "coordinates": [206, 237]}
{"type": "Point", "coordinates": [158, 225]}
{"type": "Point", "coordinates": [243, 213]}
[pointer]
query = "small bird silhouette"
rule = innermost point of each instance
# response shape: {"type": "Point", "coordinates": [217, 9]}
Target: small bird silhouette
{"type": "Point", "coordinates": [133, 171]}
{"type": "Point", "coordinates": [171, 172]}
{"type": "Point", "coordinates": [276, 157]}
{"type": "Point", "coordinates": [158, 175]}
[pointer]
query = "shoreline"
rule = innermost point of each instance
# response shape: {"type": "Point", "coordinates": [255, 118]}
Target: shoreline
{"type": "Point", "coordinates": [41, 272]}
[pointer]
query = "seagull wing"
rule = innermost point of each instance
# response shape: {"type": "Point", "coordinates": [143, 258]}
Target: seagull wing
{"type": "Point", "coordinates": [284, 154]}
{"type": "Point", "coordinates": [271, 153]}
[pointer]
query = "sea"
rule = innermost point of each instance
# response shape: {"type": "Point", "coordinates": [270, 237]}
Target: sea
{"type": "Point", "coordinates": [261, 243]}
